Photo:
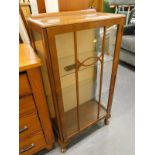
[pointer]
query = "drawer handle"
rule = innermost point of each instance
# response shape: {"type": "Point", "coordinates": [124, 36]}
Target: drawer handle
{"type": "Point", "coordinates": [23, 129]}
{"type": "Point", "coordinates": [70, 67]}
{"type": "Point", "coordinates": [27, 148]}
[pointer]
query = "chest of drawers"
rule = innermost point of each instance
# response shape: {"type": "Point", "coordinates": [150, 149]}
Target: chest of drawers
{"type": "Point", "coordinates": [35, 129]}
{"type": "Point", "coordinates": [73, 64]}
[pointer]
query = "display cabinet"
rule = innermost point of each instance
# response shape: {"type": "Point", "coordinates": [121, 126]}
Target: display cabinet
{"type": "Point", "coordinates": [72, 52]}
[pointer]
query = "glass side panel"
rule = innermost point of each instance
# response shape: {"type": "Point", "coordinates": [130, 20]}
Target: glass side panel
{"type": "Point", "coordinates": [66, 61]}
{"type": "Point", "coordinates": [108, 61]}
{"type": "Point", "coordinates": [38, 41]}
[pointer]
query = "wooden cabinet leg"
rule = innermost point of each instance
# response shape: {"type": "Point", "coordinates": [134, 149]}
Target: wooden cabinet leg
{"type": "Point", "coordinates": [106, 121]}
{"type": "Point", "coordinates": [63, 148]}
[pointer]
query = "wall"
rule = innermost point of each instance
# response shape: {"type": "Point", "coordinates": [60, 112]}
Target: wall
{"type": "Point", "coordinates": [34, 7]}
{"type": "Point", "coordinates": [51, 5]}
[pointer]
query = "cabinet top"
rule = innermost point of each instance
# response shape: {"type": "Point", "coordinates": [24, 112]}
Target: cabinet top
{"type": "Point", "coordinates": [27, 58]}
{"type": "Point", "coordinates": [71, 17]}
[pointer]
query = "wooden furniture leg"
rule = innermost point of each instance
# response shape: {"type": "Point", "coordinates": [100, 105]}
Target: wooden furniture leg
{"type": "Point", "coordinates": [106, 121]}
{"type": "Point", "coordinates": [63, 146]}
{"type": "Point", "coordinates": [114, 70]}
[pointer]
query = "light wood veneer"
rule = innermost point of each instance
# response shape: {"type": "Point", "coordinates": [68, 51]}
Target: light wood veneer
{"type": "Point", "coordinates": [35, 128]}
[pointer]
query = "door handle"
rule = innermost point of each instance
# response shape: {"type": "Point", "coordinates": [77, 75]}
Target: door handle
{"type": "Point", "coordinates": [23, 129]}
{"type": "Point", "coordinates": [70, 67]}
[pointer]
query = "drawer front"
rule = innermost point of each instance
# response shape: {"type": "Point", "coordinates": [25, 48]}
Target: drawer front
{"type": "Point", "coordinates": [32, 144]}
{"type": "Point", "coordinates": [28, 125]}
{"type": "Point", "coordinates": [26, 105]}
{"type": "Point", "coordinates": [24, 86]}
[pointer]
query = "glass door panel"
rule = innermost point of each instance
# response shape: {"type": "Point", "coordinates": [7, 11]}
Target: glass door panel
{"type": "Point", "coordinates": [89, 55]}
{"type": "Point", "coordinates": [80, 61]}
{"type": "Point", "coordinates": [66, 61]}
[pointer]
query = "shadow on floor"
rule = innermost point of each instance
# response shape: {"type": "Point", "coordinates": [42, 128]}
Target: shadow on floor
{"type": "Point", "coordinates": [79, 137]}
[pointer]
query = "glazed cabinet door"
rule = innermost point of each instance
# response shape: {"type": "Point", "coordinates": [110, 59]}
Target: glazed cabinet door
{"type": "Point", "coordinates": [80, 56]}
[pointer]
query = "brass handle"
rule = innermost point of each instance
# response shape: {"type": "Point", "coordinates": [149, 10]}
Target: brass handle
{"type": "Point", "coordinates": [23, 129]}
{"type": "Point", "coordinates": [27, 148]}
{"type": "Point", "coordinates": [70, 67]}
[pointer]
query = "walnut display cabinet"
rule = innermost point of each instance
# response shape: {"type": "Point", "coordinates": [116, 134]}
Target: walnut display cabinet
{"type": "Point", "coordinates": [73, 62]}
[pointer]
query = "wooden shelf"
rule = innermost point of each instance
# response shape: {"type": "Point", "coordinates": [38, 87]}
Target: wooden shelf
{"type": "Point", "coordinates": [87, 114]}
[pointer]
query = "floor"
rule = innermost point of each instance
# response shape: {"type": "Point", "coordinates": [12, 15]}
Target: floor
{"type": "Point", "coordinates": [118, 137]}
